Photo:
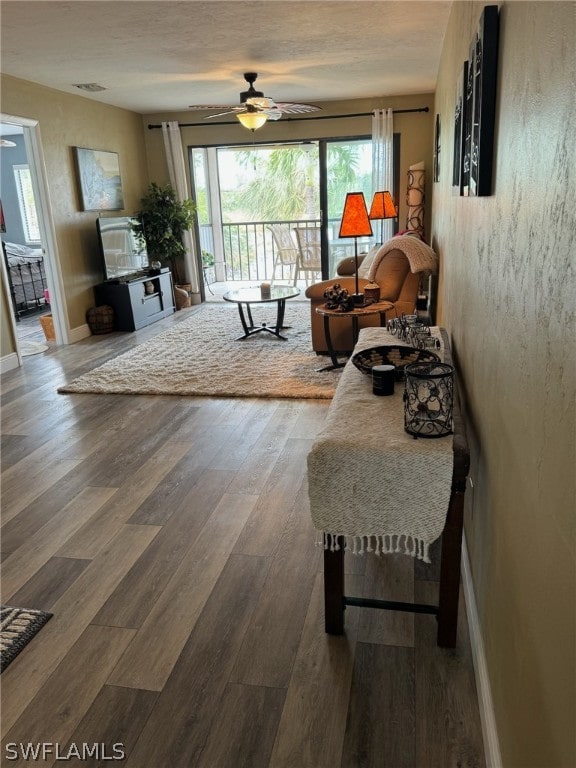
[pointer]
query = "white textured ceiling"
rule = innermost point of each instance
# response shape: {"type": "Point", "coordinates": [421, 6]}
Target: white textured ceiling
{"type": "Point", "coordinates": [159, 55]}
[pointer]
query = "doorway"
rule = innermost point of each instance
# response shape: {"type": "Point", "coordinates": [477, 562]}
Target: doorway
{"type": "Point", "coordinates": [30, 272]}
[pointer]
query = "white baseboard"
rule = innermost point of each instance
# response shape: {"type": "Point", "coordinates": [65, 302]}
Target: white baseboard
{"type": "Point", "coordinates": [9, 362]}
{"type": "Point", "coordinates": [79, 333]}
{"type": "Point", "coordinates": [487, 718]}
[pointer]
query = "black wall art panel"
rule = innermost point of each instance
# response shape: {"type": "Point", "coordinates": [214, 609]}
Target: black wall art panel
{"type": "Point", "coordinates": [480, 107]}
{"type": "Point", "coordinates": [459, 133]}
{"type": "Point", "coordinates": [437, 149]}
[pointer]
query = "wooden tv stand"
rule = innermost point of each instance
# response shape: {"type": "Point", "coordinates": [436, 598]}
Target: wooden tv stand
{"type": "Point", "coordinates": [134, 307]}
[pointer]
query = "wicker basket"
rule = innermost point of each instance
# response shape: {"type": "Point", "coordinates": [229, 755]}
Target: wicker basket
{"type": "Point", "coordinates": [394, 354]}
{"type": "Point", "coordinates": [100, 319]}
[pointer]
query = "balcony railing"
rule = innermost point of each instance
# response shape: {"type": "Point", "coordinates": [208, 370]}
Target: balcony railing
{"type": "Point", "coordinates": [249, 249]}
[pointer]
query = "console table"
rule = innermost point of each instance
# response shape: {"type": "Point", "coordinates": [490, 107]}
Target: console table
{"type": "Point", "coordinates": [375, 488]}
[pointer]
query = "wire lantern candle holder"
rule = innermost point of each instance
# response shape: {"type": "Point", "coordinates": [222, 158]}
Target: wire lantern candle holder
{"type": "Point", "coordinates": [428, 399]}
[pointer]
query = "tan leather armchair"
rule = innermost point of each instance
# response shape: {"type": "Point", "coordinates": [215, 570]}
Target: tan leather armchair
{"type": "Point", "coordinates": [395, 267]}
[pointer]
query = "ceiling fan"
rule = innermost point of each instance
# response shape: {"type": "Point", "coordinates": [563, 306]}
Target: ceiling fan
{"type": "Point", "coordinates": [255, 108]}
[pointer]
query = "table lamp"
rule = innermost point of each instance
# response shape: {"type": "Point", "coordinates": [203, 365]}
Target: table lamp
{"type": "Point", "coordinates": [382, 208]}
{"type": "Point", "coordinates": [355, 223]}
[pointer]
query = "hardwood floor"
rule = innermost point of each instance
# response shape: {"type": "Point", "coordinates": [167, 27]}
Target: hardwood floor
{"type": "Point", "coordinates": [172, 541]}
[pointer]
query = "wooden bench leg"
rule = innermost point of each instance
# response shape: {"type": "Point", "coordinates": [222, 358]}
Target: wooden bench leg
{"type": "Point", "coordinates": [450, 572]}
{"type": "Point", "coordinates": [334, 589]}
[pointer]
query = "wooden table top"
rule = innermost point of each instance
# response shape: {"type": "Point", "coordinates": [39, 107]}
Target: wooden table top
{"type": "Point", "coordinates": [371, 309]}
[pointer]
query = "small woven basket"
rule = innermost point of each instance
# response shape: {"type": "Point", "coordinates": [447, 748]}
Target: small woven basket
{"type": "Point", "coordinates": [100, 319]}
{"type": "Point", "coordinates": [393, 354]}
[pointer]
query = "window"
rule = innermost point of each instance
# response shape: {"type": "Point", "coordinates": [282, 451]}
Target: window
{"type": "Point", "coordinates": [27, 203]}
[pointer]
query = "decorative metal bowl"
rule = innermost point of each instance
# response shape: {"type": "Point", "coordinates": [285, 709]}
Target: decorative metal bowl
{"type": "Point", "coordinates": [394, 354]}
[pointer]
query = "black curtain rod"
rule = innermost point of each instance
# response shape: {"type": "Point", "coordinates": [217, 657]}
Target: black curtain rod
{"type": "Point", "coordinates": [294, 119]}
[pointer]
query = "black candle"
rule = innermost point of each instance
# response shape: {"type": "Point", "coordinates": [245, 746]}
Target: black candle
{"type": "Point", "coordinates": [383, 379]}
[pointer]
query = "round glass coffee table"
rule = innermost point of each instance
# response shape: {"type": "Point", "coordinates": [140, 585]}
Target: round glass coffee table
{"type": "Point", "coordinates": [247, 296]}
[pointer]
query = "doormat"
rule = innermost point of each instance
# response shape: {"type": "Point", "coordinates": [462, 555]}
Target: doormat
{"type": "Point", "coordinates": [17, 627]}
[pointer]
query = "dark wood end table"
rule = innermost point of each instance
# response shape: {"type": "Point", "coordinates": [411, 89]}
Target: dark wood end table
{"type": "Point", "coordinates": [378, 308]}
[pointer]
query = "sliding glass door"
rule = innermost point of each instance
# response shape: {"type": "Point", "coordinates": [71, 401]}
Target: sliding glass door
{"type": "Point", "coordinates": [244, 191]}
{"type": "Point", "coordinates": [348, 169]}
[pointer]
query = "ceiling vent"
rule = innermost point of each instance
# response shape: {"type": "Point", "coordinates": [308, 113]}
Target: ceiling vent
{"type": "Point", "coordinates": [90, 87]}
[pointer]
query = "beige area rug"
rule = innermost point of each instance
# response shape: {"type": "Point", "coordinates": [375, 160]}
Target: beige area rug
{"type": "Point", "coordinates": [28, 348]}
{"type": "Point", "coordinates": [200, 356]}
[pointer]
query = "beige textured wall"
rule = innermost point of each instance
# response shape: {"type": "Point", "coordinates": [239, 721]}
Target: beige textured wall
{"type": "Point", "coordinates": [67, 121]}
{"type": "Point", "coordinates": [508, 297]}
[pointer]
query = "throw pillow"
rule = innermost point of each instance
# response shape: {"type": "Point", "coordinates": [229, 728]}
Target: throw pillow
{"type": "Point", "coordinates": [364, 268]}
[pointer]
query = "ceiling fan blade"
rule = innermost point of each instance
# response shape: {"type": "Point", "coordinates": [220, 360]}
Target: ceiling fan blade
{"type": "Point", "coordinates": [288, 108]}
{"type": "Point", "coordinates": [260, 102]}
{"type": "Point", "coordinates": [233, 111]}
{"type": "Point", "coordinates": [207, 107]}
{"type": "Point", "coordinates": [273, 113]}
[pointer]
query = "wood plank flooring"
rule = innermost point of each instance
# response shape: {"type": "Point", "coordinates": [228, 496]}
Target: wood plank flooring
{"type": "Point", "coordinates": [171, 539]}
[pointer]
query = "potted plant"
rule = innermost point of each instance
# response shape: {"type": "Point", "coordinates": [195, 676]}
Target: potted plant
{"type": "Point", "coordinates": [207, 259]}
{"type": "Point", "coordinates": [208, 262]}
{"type": "Point", "coordinates": [161, 223]}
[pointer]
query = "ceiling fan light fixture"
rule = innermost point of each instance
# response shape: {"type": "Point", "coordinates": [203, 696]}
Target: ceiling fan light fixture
{"type": "Point", "coordinates": [255, 108]}
{"type": "Point", "coordinates": [252, 120]}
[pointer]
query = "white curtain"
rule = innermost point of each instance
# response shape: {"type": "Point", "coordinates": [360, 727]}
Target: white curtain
{"type": "Point", "coordinates": [383, 163]}
{"type": "Point", "coordinates": [177, 170]}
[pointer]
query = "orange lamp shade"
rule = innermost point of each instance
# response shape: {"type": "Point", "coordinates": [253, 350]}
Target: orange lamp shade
{"type": "Point", "coordinates": [355, 221]}
{"type": "Point", "coordinates": [383, 206]}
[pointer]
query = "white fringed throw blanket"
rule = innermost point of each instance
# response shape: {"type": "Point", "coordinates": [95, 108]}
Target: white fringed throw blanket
{"type": "Point", "coordinates": [421, 257]}
{"type": "Point", "coordinates": [371, 481]}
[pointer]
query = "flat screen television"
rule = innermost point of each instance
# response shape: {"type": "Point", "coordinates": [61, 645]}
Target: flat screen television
{"type": "Point", "coordinates": [123, 253]}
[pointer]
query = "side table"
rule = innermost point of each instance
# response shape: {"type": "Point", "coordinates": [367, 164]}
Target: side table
{"type": "Point", "coordinates": [378, 308]}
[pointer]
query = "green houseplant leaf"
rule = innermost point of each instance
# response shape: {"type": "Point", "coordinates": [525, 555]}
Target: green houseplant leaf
{"type": "Point", "coordinates": [162, 221]}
